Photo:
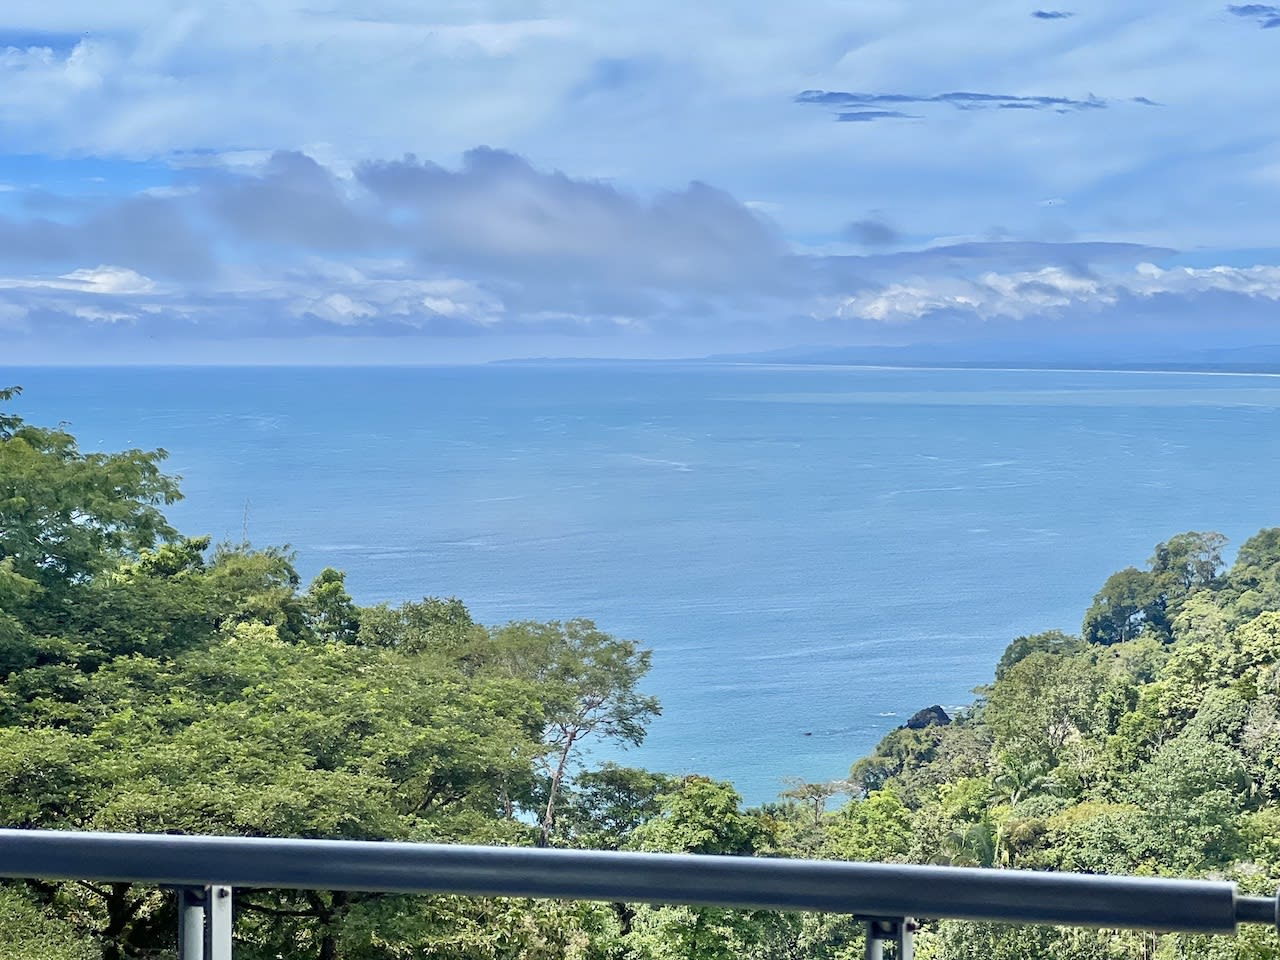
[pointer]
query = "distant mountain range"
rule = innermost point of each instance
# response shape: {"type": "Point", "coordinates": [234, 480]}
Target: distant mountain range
{"type": "Point", "coordinates": [1262, 358]}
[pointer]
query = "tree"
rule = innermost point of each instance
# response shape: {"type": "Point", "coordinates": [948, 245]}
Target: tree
{"type": "Point", "coordinates": [1042, 702]}
{"type": "Point", "coordinates": [700, 815]}
{"type": "Point", "coordinates": [30, 931]}
{"type": "Point", "coordinates": [815, 795]}
{"type": "Point", "coordinates": [1252, 585]}
{"type": "Point", "coordinates": [1188, 562]}
{"type": "Point", "coordinates": [1191, 671]}
{"type": "Point", "coordinates": [157, 605]}
{"type": "Point", "coordinates": [254, 735]}
{"type": "Point", "coordinates": [704, 816]}
{"type": "Point", "coordinates": [249, 585]}
{"type": "Point", "coordinates": [1254, 653]}
{"type": "Point", "coordinates": [605, 807]}
{"type": "Point", "coordinates": [961, 940]}
{"type": "Point", "coordinates": [899, 753]}
{"type": "Point", "coordinates": [1096, 837]}
{"type": "Point", "coordinates": [66, 515]}
{"type": "Point", "coordinates": [1019, 778]}
{"type": "Point", "coordinates": [330, 611]}
{"type": "Point", "coordinates": [16, 591]}
{"type": "Point", "coordinates": [876, 829]}
{"type": "Point", "coordinates": [588, 683]}
{"type": "Point", "coordinates": [432, 625]}
{"type": "Point", "coordinates": [1201, 618]}
{"type": "Point", "coordinates": [1051, 641]}
{"type": "Point", "coordinates": [1192, 791]}
{"type": "Point", "coordinates": [1129, 603]}
{"type": "Point", "coordinates": [973, 844]}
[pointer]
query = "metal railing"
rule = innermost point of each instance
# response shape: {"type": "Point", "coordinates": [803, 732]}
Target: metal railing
{"type": "Point", "coordinates": [886, 897]}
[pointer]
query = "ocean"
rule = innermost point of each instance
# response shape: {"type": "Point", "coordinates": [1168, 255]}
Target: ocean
{"type": "Point", "coordinates": [812, 553]}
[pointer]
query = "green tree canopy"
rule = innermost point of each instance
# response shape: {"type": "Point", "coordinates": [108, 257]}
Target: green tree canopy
{"type": "Point", "coordinates": [65, 514]}
{"type": "Point", "coordinates": [1129, 603]}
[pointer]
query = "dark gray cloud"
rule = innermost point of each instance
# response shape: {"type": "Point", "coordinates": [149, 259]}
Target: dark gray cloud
{"type": "Point", "coordinates": [294, 202]}
{"type": "Point", "coordinates": [870, 232]}
{"type": "Point", "coordinates": [962, 99]}
{"type": "Point", "coordinates": [868, 116]}
{"type": "Point", "coordinates": [1052, 14]}
{"type": "Point", "coordinates": [150, 234]}
{"type": "Point", "coordinates": [564, 242]}
{"type": "Point", "coordinates": [412, 245]}
{"type": "Point", "coordinates": [882, 106]}
{"type": "Point", "coordinates": [498, 213]}
{"type": "Point", "coordinates": [1266, 15]}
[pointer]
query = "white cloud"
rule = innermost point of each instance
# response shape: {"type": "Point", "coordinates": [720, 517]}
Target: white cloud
{"type": "Point", "coordinates": [363, 300]}
{"type": "Point", "coordinates": [102, 279]}
{"type": "Point", "coordinates": [1041, 289]}
{"type": "Point", "coordinates": [106, 279]}
{"type": "Point", "coordinates": [97, 315]}
{"type": "Point", "coordinates": [1053, 290]}
{"type": "Point", "coordinates": [899, 303]}
{"type": "Point", "coordinates": [1259, 282]}
{"type": "Point", "coordinates": [337, 308]}
{"type": "Point", "coordinates": [168, 192]}
{"type": "Point", "coordinates": [1012, 295]}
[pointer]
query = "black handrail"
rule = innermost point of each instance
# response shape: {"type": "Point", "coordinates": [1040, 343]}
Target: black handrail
{"type": "Point", "coordinates": [861, 889]}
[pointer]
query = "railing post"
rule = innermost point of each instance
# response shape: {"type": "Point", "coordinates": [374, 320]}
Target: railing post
{"type": "Point", "coordinates": [218, 922]}
{"type": "Point", "coordinates": [191, 923]}
{"type": "Point", "coordinates": [204, 923]}
{"type": "Point", "coordinates": [900, 931]}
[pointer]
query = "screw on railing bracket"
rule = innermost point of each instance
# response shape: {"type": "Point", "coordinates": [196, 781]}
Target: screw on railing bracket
{"type": "Point", "coordinates": [896, 930]}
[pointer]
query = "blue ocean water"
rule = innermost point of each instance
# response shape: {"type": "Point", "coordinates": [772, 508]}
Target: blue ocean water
{"type": "Point", "coordinates": [812, 553]}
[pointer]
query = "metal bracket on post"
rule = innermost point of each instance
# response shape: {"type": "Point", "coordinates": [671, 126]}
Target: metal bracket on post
{"type": "Point", "coordinates": [899, 931]}
{"type": "Point", "coordinates": [218, 923]}
{"type": "Point", "coordinates": [204, 923]}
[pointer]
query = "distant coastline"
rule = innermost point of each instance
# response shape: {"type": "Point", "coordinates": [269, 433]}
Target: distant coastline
{"type": "Point", "coordinates": [1259, 359]}
{"type": "Point", "coordinates": [1262, 359]}
{"type": "Point", "coordinates": [1268, 369]}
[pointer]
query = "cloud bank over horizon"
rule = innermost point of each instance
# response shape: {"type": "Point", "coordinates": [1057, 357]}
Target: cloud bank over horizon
{"type": "Point", "coordinates": [497, 248]}
{"type": "Point", "coordinates": [318, 176]}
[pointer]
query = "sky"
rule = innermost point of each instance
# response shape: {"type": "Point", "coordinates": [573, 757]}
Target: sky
{"type": "Point", "coordinates": [391, 181]}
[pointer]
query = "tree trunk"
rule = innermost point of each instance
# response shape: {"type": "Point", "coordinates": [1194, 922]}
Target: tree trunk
{"type": "Point", "coordinates": [508, 805]}
{"type": "Point", "coordinates": [549, 818]}
{"type": "Point", "coordinates": [626, 915]}
{"type": "Point", "coordinates": [120, 913]}
{"type": "Point", "coordinates": [327, 914]}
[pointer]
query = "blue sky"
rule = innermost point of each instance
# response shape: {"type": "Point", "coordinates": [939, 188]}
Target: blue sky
{"type": "Point", "coordinates": [454, 181]}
